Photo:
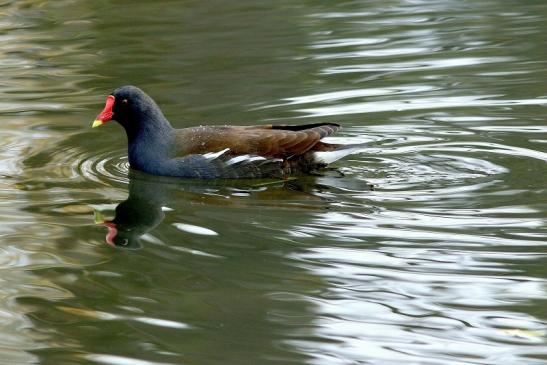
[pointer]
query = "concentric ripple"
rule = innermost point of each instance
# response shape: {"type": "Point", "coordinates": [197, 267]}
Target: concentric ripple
{"type": "Point", "coordinates": [105, 167]}
{"type": "Point", "coordinates": [75, 163]}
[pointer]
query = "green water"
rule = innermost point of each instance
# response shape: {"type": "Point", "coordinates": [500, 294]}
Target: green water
{"type": "Point", "coordinates": [444, 261]}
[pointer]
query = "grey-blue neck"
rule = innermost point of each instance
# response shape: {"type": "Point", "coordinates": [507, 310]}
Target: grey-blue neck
{"type": "Point", "coordinates": [149, 137]}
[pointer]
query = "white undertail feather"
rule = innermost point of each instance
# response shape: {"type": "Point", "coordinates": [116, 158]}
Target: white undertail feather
{"type": "Point", "coordinates": [328, 157]}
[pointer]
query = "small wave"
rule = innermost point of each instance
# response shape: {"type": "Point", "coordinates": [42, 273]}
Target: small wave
{"type": "Point", "coordinates": [75, 163]}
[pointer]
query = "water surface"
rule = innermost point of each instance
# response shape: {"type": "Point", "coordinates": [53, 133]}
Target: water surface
{"type": "Point", "coordinates": [442, 261]}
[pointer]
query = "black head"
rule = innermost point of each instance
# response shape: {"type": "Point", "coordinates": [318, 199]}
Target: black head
{"type": "Point", "coordinates": [132, 108]}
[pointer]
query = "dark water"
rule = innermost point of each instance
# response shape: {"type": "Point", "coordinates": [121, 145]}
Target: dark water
{"type": "Point", "coordinates": [444, 262]}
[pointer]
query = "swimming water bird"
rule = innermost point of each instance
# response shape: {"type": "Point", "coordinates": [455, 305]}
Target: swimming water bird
{"type": "Point", "coordinates": [209, 152]}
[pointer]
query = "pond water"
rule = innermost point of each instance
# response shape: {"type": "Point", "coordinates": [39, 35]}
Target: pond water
{"type": "Point", "coordinates": [442, 261]}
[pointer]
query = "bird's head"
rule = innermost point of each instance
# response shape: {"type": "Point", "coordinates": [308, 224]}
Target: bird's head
{"type": "Point", "coordinates": [128, 105]}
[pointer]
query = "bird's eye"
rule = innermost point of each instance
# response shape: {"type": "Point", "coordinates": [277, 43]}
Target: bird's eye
{"type": "Point", "coordinates": [124, 101]}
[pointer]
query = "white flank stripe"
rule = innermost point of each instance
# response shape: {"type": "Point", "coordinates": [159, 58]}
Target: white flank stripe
{"type": "Point", "coordinates": [256, 158]}
{"type": "Point", "coordinates": [238, 159]}
{"type": "Point", "coordinates": [213, 155]}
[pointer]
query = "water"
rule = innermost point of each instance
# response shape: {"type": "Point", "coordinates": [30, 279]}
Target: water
{"type": "Point", "coordinates": [443, 261]}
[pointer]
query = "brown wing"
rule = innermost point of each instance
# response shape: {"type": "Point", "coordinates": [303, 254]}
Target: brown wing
{"type": "Point", "coordinates": [278, 141]}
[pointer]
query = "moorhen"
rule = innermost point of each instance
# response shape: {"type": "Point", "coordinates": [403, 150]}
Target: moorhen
{"type": "Point", "coordinates": [209, 152]}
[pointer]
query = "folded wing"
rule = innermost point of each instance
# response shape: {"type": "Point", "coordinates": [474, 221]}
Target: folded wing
{"type": "Point", "coordinates": [273, 141]}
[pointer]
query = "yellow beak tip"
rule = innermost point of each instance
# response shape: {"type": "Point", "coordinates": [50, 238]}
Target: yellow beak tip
{"type": "Point", "coordinates": [97, 123]}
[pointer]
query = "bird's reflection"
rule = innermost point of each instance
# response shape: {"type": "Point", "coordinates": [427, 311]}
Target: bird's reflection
{"type": "Point", "coordinates": [149, 197]}
{"type": "Point", "coordinates": [140, 213]}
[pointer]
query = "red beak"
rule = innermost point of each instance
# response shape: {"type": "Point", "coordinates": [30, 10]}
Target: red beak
{"type": "Point", "coordinates": [107, 112]}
